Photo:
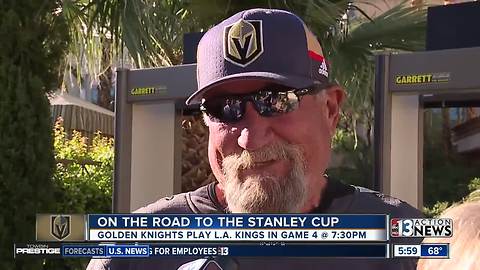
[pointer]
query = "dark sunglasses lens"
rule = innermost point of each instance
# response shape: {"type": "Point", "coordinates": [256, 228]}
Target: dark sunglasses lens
{"type": "Point", "coordinates": [274, 103]}
{"type": "Point", "coordinates": [267, 103]}
{"type": "Point", "coordinates": [226, 110]}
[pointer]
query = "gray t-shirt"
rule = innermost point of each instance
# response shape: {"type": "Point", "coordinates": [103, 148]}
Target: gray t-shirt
{"type": "Point", "coordinates": [338, 198]}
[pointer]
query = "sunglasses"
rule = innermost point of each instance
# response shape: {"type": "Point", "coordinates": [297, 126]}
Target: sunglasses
{"type": "Point", "coordinates": [267, 102]}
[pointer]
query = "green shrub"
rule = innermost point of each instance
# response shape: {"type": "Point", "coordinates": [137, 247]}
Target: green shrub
{"type": "Point", "coordinates": [439, 207]}
{"type": "Point", "coordinates": [84, 173]}
{"type": "Point", "coordinates": [82, 180]}
{"type": "Point", "coordinates": [436, 209]}
{"type": "Point", "coordinates": [474, 184]}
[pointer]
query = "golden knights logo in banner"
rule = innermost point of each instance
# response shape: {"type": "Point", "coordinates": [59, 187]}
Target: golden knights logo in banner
{"type": "Point", "coordinates": [60, 226]}
{"type": "Point", "coordinates": [243, 42]}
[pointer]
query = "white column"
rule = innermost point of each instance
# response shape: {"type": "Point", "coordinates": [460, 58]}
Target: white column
{"type": "Point", "coordinates": [153, 153]}
{"type": "Point", "coordinates": [406, 151]}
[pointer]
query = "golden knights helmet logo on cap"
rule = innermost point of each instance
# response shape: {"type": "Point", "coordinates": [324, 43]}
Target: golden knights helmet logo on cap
{"type": "Point", "coordinates": [243, 42]}
{"type": "Point", "coordinates": [60, 226]}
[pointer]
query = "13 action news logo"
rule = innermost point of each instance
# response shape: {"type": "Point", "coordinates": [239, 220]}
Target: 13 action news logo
{"type": "Point", "coordinates": [421, 227]}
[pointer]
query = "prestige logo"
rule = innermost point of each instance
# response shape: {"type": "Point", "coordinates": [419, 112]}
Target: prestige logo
{"type": "Point", "coordinates": [41, 250]}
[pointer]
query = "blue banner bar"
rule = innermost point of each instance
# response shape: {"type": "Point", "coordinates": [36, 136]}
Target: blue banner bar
{"type": "Point", "coordinates": [235, 250]}
{"type": "Point", "coordinates": [434, 250]}
{"type": "Point", "coordinates": [235, 221]}
{"type": "Point", "coordinates": [332, 250]}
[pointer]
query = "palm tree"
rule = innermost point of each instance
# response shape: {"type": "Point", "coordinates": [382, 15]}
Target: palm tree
{"type": "Point", "coordinates": [123, 33]}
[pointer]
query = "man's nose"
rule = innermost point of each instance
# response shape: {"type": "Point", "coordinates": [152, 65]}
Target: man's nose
{"type": "Point", "coordinates": [256, 130]}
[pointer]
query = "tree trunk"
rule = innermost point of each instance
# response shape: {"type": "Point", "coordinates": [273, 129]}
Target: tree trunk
{"type": "Point", "coordinates": [104, 87]}
{"type": "Point", "coordinates": [446, 133]}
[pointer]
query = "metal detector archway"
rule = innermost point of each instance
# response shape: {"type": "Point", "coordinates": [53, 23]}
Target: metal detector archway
{"type": "Point", "coordinates": [148, 110]}
{"type": "Point", "coordinates": [404, 84]}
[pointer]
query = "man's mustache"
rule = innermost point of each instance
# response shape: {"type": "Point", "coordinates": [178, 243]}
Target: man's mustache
{"type": "Point", "coordinates": [248, 159]}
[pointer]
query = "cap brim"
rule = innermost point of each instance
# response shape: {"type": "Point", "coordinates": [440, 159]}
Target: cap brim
{"type": "Point", "coordinates": [290, 81]}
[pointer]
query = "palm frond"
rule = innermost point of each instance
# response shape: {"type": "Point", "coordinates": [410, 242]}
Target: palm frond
{"type": "Point", "coordinates": [402, 27]}
{"type": "Point", "coordinates": [350, 44]}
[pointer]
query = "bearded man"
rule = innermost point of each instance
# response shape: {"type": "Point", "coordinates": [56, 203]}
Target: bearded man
{"type": "Point", "coordinates": [272, 111]}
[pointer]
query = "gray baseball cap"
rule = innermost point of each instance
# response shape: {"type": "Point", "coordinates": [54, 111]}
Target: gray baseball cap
{"type": "Point", "coordinates": [267, 44]}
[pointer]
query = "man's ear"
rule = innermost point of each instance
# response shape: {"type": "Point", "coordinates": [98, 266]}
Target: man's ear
{"type": "Point", "coordinates": [334, 97]}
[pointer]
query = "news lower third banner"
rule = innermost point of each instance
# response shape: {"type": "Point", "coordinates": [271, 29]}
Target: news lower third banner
{"type": "Point", "coordinates": [71, 250]}
{"type": "Point", "coordinates": [294, 235]}
{"type": "Point", "coordinates": [237, 228]}
{"type": "Point", "coordinates": [211, 228]}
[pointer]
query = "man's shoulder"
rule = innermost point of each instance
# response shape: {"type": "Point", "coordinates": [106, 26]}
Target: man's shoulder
{"type": "Point", "coordinates": [198, 201]}
{"type": "Point", "coordinates": [370, 201]}
{"type": "Point", "coordinates": [362, 200]}
{"type": "Point", "coordinates": [171, 204]}
{"type": "Point", "coordinates": [366, 201]}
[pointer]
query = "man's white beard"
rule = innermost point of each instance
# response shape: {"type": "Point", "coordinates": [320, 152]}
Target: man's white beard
{"type": "Point", "coordinates": [265, 193]}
